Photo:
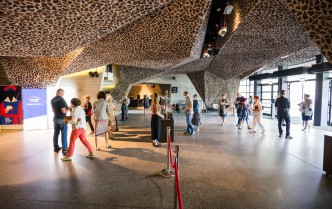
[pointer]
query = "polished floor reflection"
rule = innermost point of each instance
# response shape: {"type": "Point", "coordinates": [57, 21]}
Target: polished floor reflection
{"type": "Point", "coordinates": [221, 167]}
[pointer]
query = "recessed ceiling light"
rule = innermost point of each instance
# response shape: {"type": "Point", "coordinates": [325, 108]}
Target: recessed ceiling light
{"type": "Point", "coordinates": [284, 56]}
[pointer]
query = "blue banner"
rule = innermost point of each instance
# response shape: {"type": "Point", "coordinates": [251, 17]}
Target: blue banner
{"type": "Point", "coordinates": [34, 103]}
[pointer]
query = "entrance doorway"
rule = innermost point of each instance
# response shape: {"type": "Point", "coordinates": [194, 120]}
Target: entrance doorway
{"type": "Point", "coordinates": [269, 93]}
{"type": "Point", "coordinates": [297, 90]}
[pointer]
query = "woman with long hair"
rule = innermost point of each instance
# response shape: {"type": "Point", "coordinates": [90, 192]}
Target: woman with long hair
{"type": "Point", "coordinates": [100, 108]}
{"type": "Point", "coordinates": [156, 122]}
{"type": "Point", "coordinates": [79, 125]}
{"type": "Point", "coordinates": [306, 110]}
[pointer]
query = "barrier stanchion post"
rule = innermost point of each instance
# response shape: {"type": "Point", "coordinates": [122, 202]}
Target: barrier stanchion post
{"type": "Point", "coordinates": [177, 153]}
{"type": "Point", "coordinates": [168, 172]}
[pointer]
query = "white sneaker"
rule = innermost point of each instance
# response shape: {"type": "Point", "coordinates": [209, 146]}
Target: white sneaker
{"type": "Point", "coordinates": [252, 131]}
{"type": "Point", "coordinates": [197, 129]}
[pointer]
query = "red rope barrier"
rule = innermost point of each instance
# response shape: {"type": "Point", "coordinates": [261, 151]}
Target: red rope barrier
{"type": "Point", "coordinates": [170, 152]}
{"type": "Point", "coordinates": [178, 189]}
{"type": "Point", "coordinates": [177, 178]}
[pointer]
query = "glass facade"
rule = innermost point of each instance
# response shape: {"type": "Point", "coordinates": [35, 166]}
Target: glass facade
{"type": "Point", "coordinates": [297, 90]}
{"type": "Point", "coordinates": [298, 86]}
{"type": "Point", "coordinates": [246, 88]}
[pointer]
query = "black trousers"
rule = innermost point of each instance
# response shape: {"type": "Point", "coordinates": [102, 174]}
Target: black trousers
{"type": "Point", "coordinates": [124, 114]}
{"type": "Point", "coordinates": [88, 120]}
{"type": "Point", "coordinates": [116, 124]}
{"type": "Point", "coordinates": [283, 116]}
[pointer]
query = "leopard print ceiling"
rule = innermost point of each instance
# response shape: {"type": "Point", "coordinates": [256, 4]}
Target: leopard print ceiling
{"type": "Point", "coordinates": [316, 17]}
{"type": "Point", "coordinates": [54, 28]}
{"type": "Point", "coordinates": [168, 37]}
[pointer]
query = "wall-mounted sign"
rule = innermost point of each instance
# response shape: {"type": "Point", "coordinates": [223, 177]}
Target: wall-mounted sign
{"type": "Point", "coordinates": [174, 89]}
{"type": "Point", "coordinates": [34, 109]}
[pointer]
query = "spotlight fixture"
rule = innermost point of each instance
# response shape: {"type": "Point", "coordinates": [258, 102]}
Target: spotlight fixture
{"type": "Point", "coordinates": [91, 74]}
{"type": "Point", "coordinates": [96, 74]}
{"type": "Point", "coordinates": [222, 32]}
{"type": "Point", "coordinates": [228, 9]}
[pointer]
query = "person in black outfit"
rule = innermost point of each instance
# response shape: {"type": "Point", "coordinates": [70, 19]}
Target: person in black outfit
{"type": "Point", "coordinates": [88, 112]}
{"type": "Point", "coordinates": [124, 110]}
{"type": "Point", "coordinates": [60, 109]}
{"type": "Point", "coordinates": [282, 105]}
{"type": "Point", "coordinates": [237, 103]}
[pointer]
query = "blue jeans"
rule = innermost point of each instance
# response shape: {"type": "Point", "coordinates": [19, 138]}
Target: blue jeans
{"type": "Point", "coordinates": [57, 128]}
{"type": "Point", "coordinates": [190, 127]}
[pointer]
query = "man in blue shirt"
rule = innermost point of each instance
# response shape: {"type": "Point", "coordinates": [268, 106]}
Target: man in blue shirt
{"type": "Point", "coordinates": [60, 109]}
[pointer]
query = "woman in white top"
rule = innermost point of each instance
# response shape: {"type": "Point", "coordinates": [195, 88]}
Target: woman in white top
{"type": "Point", "coordinates": [100, 109]}
{"type": "Point", "coordinates": [257, 110]}
{"type": "Point", "coordinates": [79, 125]}
{"type": "Point", "coordinates": [306, 110]}
{"type": "Point", "coordinates": [112, 108]}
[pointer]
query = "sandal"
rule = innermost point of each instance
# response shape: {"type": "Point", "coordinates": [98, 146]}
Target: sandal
{"type": "Point", "coordinates": [66, 159]}
{"type": "Point", "coordinates": [90, 155]}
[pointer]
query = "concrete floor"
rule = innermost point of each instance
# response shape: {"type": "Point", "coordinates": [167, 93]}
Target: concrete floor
{"type": "Point", "coordinates": [221, 167]}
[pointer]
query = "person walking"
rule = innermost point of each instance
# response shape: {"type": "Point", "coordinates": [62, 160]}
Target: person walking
{"type": "Point", "coordinates": [156, 122]}
{"type": "Point", "coordinates": [189, 114]}
{"type": "Point", "coordinates": [79, 125]}
{"type": "Point", "coordinates": [196, 121]}
{"type": "Point", "coordinates": [112, 108]}
{"type": "Point", "coordinates": [223, 106]}
{"type": "Point", "coordinates": [146, 105]}
{"type": "Point", "coordinates": [244, 113]}
{"type": "Point", "coordinates": [60, 109]}
{"type": "Point", "coordinates": [239, 99]}
{"type": "Point", "coordinates": [257, 111]}
{"type": "Point", "coordinates": [306, 110]}
{"type": "Point", "coordinates": [282, 105]}
{"type": "Point", "coordinates": [88, 112]}
{"type": "Point", "coordinates": [100, 109]}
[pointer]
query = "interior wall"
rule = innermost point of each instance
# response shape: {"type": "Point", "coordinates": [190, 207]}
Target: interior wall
{"type": "Point", "coordinates": [181, 82]}
{"type": "Point", "coordinates": [75, 85]}
{"type": "Point", "coordinates": [143, 89]}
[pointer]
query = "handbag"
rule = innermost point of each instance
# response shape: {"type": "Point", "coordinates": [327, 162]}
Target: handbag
{"type": "Point", "coordinates": [308, 112]}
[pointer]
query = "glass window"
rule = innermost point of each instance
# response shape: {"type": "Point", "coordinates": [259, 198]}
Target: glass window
{"type": "Point", "coordinates": [266, 88]}
{"type": "Point", "coordinates": [242, 89]}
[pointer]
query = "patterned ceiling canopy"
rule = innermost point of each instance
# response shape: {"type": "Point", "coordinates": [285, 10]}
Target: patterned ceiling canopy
{"type": "Point", "coordinates": [42, 40]}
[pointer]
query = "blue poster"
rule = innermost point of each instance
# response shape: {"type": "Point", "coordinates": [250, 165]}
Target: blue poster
{"type": "Point", "coordinates": [34, 103]}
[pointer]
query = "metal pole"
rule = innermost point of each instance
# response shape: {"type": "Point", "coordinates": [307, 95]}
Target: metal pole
{"type": "Point", "coordinates": [168, 172]}
{"type": "Point", "coordinates": [166, 102]}
{"type": "Point", "coordinates": [177, 151]}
